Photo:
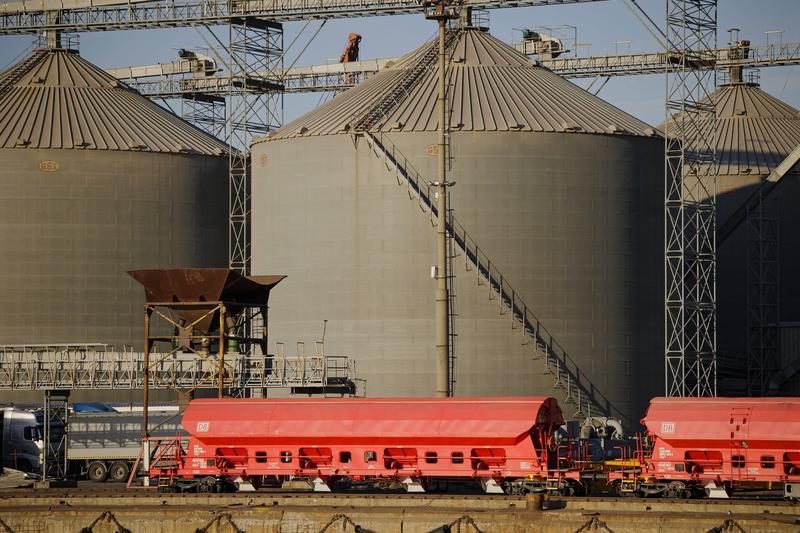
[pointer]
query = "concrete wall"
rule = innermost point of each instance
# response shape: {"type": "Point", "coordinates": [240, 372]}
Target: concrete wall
{"type": "Point", "coordinates": [382, 513]}
{"type": "Point", "coordinates": [574, 221]}
{"type": "Point", "coordinates": [70, 234]}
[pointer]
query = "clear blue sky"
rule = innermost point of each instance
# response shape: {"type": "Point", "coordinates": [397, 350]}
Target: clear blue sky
{"type": "Point", "coordinates": [599, 25]}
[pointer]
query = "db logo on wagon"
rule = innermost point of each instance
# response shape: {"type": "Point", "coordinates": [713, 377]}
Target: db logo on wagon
{"type": "Point", "coordinates": [202, 427]}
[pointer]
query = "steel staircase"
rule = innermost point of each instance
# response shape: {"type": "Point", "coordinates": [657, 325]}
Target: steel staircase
{"type": "Point", "coordinates": [13, 75]}
{"type": "Point", "coordinates": [410, 79]}
{"type": "Point", "coordinates": [578, 390]}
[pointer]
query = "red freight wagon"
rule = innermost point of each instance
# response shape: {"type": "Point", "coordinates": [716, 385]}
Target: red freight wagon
{"type": "Point", "coordinates": [248, 442]}
{"type": "Point", "coordinates": [720, 443]}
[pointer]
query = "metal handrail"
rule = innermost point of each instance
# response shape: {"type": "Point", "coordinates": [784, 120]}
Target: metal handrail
{"type": "Point", "coordinates": [567, 371]}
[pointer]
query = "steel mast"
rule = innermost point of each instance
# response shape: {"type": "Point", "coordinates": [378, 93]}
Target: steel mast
{"type": "Point", "coordinates": [442, 298]}
{"type": "Point", "coordinates": [441, 12]}
{"type": "Point", "coordinates": [690, 317]}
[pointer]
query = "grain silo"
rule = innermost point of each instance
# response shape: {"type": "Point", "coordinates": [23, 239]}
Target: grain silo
{"type": "Point", "coordinates": [561, 189]}
{"type": "Point", "coordinates": [758, 305]}
{"type": "Point", "coordinates": [97, 180]}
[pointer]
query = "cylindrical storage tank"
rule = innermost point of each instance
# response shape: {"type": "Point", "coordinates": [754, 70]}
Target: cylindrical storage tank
{"type": "Point", "coordinates": [755, 132]}
{"type": "Point", "coordinates": [561, 190]}
{"type": "Point", "coordinates": [97, 180]}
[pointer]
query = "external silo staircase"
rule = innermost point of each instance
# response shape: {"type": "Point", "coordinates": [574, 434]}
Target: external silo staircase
{"type": "Point", "coordinates": [10, 77]}
{"type": "Point", "coordinates": [576, 387]}
{"type": "Point", "coordinates": [409, 80]}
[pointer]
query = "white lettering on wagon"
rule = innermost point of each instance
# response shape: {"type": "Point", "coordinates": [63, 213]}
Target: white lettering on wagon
{"type": "Point", "coordinates": [524, 465]}
{"type": "Point", "coordinates": [668, 427]}
{"type": "Point", "coordinates": [202, 427]}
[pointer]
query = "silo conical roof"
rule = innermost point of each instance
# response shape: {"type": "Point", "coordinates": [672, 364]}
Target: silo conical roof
{"type": "Point", "coordinates": [492, 87]}
{"type": "Point", "coordinates": [755, 130]}
{"type": "Point", "coordinates": [57, 100]}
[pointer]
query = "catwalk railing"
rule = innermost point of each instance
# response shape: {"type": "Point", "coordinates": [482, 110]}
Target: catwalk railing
{"type": "Point", "coordinates": [567, 375]}
{"type": "Point", "coordinates": [25, 16]}
{"type": "Point", "coordinates": [96, 366]}
{"type": "Point", "coordinates": [772, 55]}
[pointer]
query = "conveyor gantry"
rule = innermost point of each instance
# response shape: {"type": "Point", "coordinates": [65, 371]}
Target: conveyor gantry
{"type": "Point", "coordinates": [171, 80]}
{"type": "Point", "coordinates": [25, 16]}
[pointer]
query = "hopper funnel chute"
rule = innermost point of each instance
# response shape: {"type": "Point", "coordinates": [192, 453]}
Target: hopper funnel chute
{"type": "Point", "coordinates": [186, 290]}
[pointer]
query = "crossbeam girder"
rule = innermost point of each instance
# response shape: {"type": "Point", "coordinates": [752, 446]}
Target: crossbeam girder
{"type": "Point", "coordinates": [26, 17]}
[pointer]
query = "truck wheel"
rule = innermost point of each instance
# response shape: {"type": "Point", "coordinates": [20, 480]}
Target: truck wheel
{"type": "Point", "coordinates": [119, 471]}
{"type": "Point", "coordinates": [97, 471]}
{"type": "Point", "coordinates": [24, 465]}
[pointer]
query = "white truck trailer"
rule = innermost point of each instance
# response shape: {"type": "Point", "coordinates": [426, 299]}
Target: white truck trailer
{"type": "Point", "coordinates": [105, 445]}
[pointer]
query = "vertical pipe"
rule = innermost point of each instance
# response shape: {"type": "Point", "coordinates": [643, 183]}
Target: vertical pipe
{"type": "Point", "coordinates": [46, 444]}
{"type": "Point", "coordinates": [146, 386]}
{"type": "Point", "coordinates": [221, 351]}
{"type": "Point", "coordinates": [65, 437]}
{"type": "Point", "coordinates": [265, 350]}
{"type": "Point", "coordinates": [442, 338]}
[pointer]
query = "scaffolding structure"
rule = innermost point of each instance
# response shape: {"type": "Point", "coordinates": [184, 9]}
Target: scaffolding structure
{"type": "Point", "coordinates": [690, 200]}
{"type": "Point", "coordinates": [763, 317]}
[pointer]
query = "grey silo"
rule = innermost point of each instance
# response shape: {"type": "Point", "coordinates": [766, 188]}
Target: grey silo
{"type": "Point", "coordinates": [562, 189]}
{"type": "Point", "coordinates": [97, 180]}
{"type": "Point", "coordinates": [755, 132]}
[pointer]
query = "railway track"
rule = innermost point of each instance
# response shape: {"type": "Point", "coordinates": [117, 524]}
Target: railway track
{"type": "Point", "coordinates": [278, 496]}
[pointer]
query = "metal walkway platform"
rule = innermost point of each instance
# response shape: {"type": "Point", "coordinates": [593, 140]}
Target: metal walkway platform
{"type": "Point", "coordinates": [97, 366]}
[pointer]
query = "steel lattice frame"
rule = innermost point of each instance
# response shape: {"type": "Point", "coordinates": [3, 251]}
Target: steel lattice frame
{"type": "Point", "coordinates": [55, 425]}
{"type": "Point", "coordinates": [690, 200]}
{"type": "Point", "coordinates": [763, 342]}
{"type": "Point", "coordinates": [255, 107]}
{"type": "Point", "coordinates": [205, 112]}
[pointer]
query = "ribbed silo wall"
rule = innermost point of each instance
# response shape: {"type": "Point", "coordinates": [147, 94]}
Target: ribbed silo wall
{"type": "Point", "coordinates": [574, 221]}
{"type": "Point", "coordinates": [72, 231]}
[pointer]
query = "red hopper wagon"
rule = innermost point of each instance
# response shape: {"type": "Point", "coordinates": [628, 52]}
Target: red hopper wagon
{"type": "Point", "coordinates": [246, 443]}
{"type": "Point", "coordinates": [718, 444]}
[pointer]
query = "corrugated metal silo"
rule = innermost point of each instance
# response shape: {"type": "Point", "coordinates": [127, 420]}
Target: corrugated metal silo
{"type": "Point", "coordinates": [97, 180]}
{"type": "Point", "coordinates": [562, 189]}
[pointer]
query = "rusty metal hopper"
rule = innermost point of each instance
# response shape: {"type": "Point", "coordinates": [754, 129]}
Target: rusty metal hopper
{"type": "Point", "coordinates": [186, 289]}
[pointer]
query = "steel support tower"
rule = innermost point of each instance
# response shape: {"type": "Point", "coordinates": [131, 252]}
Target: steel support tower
{"type": "Point", "coordinates": [690, 200]}
{"type": "Point", "coordinates": [255, 107]}
{"type": "Point", "coordinates": [55, 428]}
